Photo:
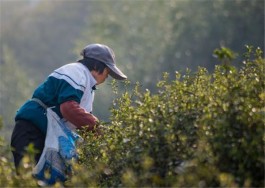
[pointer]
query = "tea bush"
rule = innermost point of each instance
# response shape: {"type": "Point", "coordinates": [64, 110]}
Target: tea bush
{"type": "Point", "coordinates": [200, 130]}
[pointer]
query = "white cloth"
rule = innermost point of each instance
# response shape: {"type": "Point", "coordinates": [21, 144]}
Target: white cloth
{"type": "Point", "coordinates": [58, 150]}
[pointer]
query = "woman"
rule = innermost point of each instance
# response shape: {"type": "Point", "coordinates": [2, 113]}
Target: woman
{"type": "Point", "coordinates": [69, 93]}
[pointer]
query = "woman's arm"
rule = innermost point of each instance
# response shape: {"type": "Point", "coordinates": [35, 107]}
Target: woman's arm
{"type": "Point", "coordinates": [77, 115]}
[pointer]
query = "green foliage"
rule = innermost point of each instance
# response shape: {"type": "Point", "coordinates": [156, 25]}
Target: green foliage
{"type": "Point", "coordinates": [150, 37]}
{"type": "Point", "coordinates": [9, 178]}
{"type": "Point", "coordinates": [199, 130]}
{"type": "Point", "coordinates": [213, 122]}
{"type": "Point", "coordinates": [224, 54]}
{"type": "Point", "coordinates": [232, 124]}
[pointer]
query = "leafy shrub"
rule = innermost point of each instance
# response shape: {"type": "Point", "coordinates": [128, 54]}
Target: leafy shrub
{"type": "Point", "coordinates": [200, 130]}
{"type": "Point", "coordinates": [232, 127]}
{"type": "Point", "coordinates": [212, 122]}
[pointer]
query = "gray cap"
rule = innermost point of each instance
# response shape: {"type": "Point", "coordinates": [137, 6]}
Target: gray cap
{"type": "Point", "coordinates": [105, 55]}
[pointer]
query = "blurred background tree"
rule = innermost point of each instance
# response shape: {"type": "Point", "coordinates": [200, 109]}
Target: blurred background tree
{"type": "Point", "coordinates": [148, 37]}
{"type": "Point", "coordinates": [201, 26]}
{"type": "Point", "coordinates": [15, 86]}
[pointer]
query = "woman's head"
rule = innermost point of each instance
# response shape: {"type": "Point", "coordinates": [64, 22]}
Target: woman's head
{"type": "Point", "coordinates": [99, 70]}
{"type": "Point", "coordinates": [105, 55]}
